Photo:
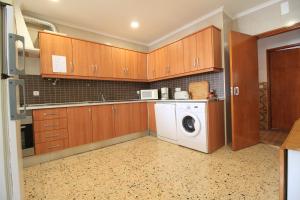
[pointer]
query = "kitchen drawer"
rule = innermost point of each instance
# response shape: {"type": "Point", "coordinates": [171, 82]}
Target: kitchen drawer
{"type": "Point", "coordinates": [48, 147]}
{"type": "Point", "coordinates": [47, 136]}
{"type": "Point", "coordinates": [45, 114]}
{"type": "Point", "coordinates": [49, 125]}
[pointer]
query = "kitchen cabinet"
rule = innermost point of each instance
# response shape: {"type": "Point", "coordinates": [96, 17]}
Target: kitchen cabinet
{"type": "Point", "coordinates": [122, 119]}
{"type": "Point", "coordinates": [162, 67]}
{"type": "Point", "coordinates": [79, 125]}
{"type": "Point", "coordinates": [140, 72]}
{"type": "Point", "coordinates": [202, 50]}
{"type": "Point", "coordinates": [103, 122]}
{"type": "Point", "coordinates": [51, 45]}
{"type": "Point", "coordinates": [138, 116]}
{"type": "Point", "coordinates": [119, 62]}
{"type": "Point", "coordinates": [151, 74]}
{"type": "Point", "coordinates": [175, 58]}
{"type": "Point", "coordinates": [151, 117]}
{"type": "Point", "coordinates": [105, 68]}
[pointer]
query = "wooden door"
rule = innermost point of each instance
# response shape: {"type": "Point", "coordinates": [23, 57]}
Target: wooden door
{"type": "Point", "coordinates": [81, 63]}
{"type": "Point", "coordinates": [54, 45]}
{"type": "Point", "coordinates": [122, 119]}
{"type": "Point", "coordinates": [79, 125]}
{"type": "Point", "coordinates": [105, 68]}
{"type": "Point", "coordinates": [138, 116]}
{"type": "Point", "coordinates": [189, 53]}
{"type": "Point", "coordinates": [151, 116]}
{"type": "Point", "coordinates": [119, 62]}
{"type": "Point", "coordinates": [284, 78]}
{"type": "Point", "coordinates": [140, 72]}
{"type": "Point", "coordinates": [244, 84]}
{"type": "Point", "coordinates": [103, 122]}
{"type": "Point", "coordinates": [151, 65]}
{"type": "Point", "coordinates": [175, 56]}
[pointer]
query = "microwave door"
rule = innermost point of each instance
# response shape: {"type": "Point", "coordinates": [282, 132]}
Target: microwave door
{"type": "Point", "coordinates": [11, 169]}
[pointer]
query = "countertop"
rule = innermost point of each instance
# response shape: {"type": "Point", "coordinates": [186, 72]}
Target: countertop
{"type": "Point", "coordinates": [292, 142]}
{"type": "Point", "coordinates": [94, 103]}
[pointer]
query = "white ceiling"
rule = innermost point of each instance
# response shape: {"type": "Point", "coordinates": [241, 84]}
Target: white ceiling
{"type": "Point", "coordinates": [157, 17]}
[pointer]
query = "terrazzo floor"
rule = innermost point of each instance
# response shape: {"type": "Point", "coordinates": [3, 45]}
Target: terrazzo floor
{"type": "Point", "coordinates": [148, 168]}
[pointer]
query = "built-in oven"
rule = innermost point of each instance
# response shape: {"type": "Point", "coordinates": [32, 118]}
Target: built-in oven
{"type": "Point", "coordinates": [27, 137]}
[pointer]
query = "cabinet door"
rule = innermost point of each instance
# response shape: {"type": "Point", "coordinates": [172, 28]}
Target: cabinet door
{"type": "Point", "coordinates": [138, 116]}
{"type": "Point", "coordinates": [105, 68]}
{"type": "Point", "coordinates": [103, 122]}
{"type": "Point", "coordinates": [118, 62]}
{"type": "Point", "coordinates": [162, 65]}
{"type": "Point", "coordinates": [141, 68]}
{"type": "Point", "coordinates": [122, 119]}
{"type": "Point", "coordinates": [175, 55]}
{"type": "Point", "coordinates": [79, 125]}
{"type": "Point", "coordinates": [93, 56]}
{"type": "Point", "coordinates": [151, 65]}
{"type": "Point", "coordinates": [189, 53]}
{"type": "Point", "coordinates": [131, 62]}
{"type": "Point", "coordinates": [151, 115]}
{"type": "Point", "coordinates": [54, 45]}
{"type": "Point", "coordinates": [82, 63]}
{"type": "Point", "coordinates": [204, 49]}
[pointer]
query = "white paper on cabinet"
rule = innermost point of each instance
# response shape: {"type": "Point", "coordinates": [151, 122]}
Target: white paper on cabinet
{"type": "Point", "coordinates": [59, 64]}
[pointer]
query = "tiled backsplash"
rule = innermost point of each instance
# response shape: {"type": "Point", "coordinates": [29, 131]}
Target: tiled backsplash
{"type": "Point", "coordinates": [67, 90]}
{"type": "Point", "coordinates": [216, 82]}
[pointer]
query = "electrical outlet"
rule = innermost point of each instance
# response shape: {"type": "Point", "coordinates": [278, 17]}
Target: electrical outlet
{"type": "Point", "coordinates": [36, 93]}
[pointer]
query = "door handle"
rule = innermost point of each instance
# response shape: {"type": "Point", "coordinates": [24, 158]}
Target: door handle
{"type": "Point", "coordinates": [15, 113]}
{"type": "Point", "coordinates": [236, 91]}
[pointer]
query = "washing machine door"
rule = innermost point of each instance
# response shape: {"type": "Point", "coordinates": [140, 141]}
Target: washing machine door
{"type": "Point", "coordinates": [190, 125]}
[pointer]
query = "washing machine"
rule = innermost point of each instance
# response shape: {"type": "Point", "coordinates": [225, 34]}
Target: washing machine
{"type": "Point", "coordinates": [191, 125]}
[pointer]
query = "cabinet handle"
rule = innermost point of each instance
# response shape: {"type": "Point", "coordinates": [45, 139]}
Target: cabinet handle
{"type": "Point", "coordinates": [198, 62]}
{"type": "Point", "coordinates": [54, 146]}
{"type": "Point", "coordinates": [72, 67]}
{"type": "Point", "coordinates": [194, 62]}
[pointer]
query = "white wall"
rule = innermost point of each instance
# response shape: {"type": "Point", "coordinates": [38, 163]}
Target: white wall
{"type": "Point", "coordinates": [268, 18]}
{"type": "Point", "coordinates": [273, 42]}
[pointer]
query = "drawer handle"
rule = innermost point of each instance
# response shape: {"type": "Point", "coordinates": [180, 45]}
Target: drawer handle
{"type": "Point", "coordinates": [52, 136]}
{"type": "Point", "coordinates": [54, 146]}
{"type": "Point", "coordinates": [50, 114]}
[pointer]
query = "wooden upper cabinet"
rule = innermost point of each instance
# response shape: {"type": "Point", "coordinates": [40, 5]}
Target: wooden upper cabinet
{"type": "Point", "coordinates": [151, 73]}
{"type": "Point", "coordinates": [189, 53]}
{"type": "Point", "coordinates": [79, 125]}
{"type": "Point", "coordinates": [119, 62]}
{"type": "Point", "coordinates": [131, 62]}
{"type": "Point", "coordinates": [105, 67]}
{"type": "Point", "coordinates": [162, 67]}
{"type": "Point", "coordinates": [103, 122]}
{"type": "Point", "coordinates": [140, 71]}
{"type": "Point", "coordinates": [82, 66]}
{"type": "Point", "coordinates": [51, 45]}
{"type": "Point", "coordinates": [175, 56]}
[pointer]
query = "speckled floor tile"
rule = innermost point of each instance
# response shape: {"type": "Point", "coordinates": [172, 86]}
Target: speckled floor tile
{"type": "Point", "coordinates": [148, 168]}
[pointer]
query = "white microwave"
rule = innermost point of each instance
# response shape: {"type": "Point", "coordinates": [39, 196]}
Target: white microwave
{"type": "Point", "coordinates": [149, 94]}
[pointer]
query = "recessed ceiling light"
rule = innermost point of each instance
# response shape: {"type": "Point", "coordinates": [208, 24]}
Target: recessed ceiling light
{"type": "Point", "coordinates": [54, 0]}
{"type": "Point", "coordinates": [135, 24]}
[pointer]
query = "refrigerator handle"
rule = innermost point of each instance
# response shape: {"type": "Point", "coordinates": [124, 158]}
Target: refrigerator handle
{"type": "Point", "coordinates": [13, 66]}
{"type": "Point", "coordinates": [15, 113]}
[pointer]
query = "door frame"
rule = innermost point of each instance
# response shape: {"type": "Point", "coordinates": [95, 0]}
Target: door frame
{"type": "Point", "coordinates": [269, 100]}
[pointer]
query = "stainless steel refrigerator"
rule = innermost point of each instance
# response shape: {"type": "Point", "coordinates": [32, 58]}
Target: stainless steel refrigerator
{"type": "Point", "coordinates": [12, 49]}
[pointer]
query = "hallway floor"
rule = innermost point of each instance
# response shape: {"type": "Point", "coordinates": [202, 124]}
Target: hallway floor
{"type": "Point", "coordinates": [148, 168]}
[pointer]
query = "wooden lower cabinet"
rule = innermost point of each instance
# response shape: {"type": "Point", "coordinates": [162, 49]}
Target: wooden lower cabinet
{"type": "Point", "coordinates": [51, 146]}
{"type": "Point", "coordinates": [103, 122]}
{"type": "Point", "coordinates": [122, 119]}
{"type": "Point", "coordinates": [151, 117]}
{"type": "Point", "coordinates": [79, 125]}
{"type": "Point", "coordinates": [138, 117]}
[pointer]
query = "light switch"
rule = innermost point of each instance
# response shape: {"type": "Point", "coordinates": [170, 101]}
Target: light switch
{"type": "Point", "coordinates": [36, 93]}
{"type": "Point", "coordinates": [284, 8]}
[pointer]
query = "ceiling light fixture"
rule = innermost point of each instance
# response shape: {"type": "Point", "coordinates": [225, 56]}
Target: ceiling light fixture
{"type": "Point", "coordinates": [134, 24]}
{"type": "Point", "coordinates": [54, 0]}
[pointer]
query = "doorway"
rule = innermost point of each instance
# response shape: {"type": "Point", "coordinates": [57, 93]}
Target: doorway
{"type": "Point", "coordinates": [283, 78]}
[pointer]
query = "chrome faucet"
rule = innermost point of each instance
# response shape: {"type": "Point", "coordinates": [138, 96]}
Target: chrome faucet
{"type": "Point", "coordinates": [101, 97]}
